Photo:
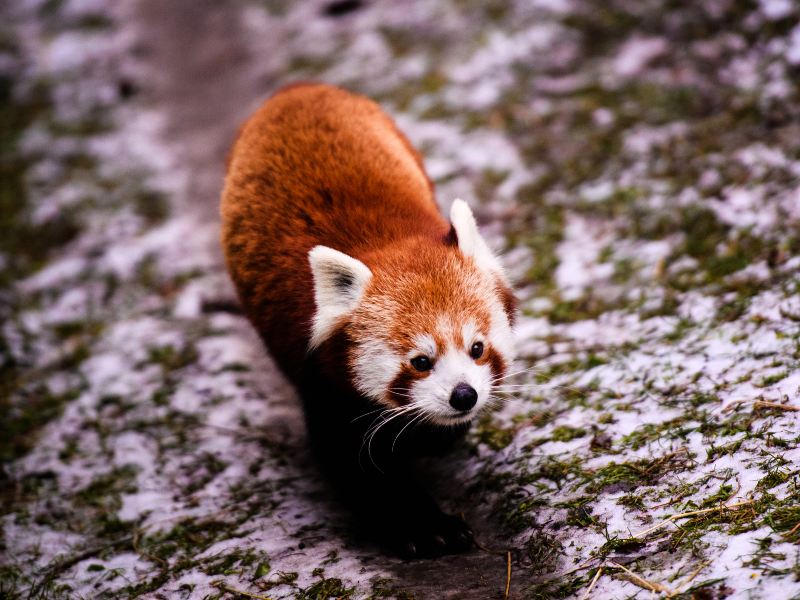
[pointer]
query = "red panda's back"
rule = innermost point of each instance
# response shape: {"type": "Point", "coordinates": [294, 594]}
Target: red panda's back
{"type": "Point", "coordinates": [315, 165]}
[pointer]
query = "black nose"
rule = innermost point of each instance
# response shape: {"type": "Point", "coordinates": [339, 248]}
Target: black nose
{"type": "Point", "coordinates": [463, 397]}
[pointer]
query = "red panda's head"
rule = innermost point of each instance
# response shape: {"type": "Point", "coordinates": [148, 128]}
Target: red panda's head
{"type": "Point", "coordinates": [428, 326]}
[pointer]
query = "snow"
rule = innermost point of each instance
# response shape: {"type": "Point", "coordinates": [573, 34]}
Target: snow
{"type": "Point", "coordinates": [777, 9]}
{"type": "Point", "coordinates": [793, 49]}
{"type": "Point", "coordinates": [636, 53]}
{"type": "Point", "coordinates": [578, 267]}
{"type": "Point", "coordinates": [178, 412]}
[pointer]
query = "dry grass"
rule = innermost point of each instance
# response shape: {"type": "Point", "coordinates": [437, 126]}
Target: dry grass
{"type": "Point", "coordinates": [691, 513]}
{"type": "Point", "coordinates": [642, 582]}
{"type": "Point", "coordinates": [592, 584]}
{"type": "Point", "coordinates": [222, 586]}
{"type": "Point", "coordinates": [768, 404]}
{"type": "Point", "coordinates": [508, 575]}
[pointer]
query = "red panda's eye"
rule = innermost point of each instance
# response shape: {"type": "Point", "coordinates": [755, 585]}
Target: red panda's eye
{"type": "Point", "coordinates": [421, 363]}
{"type": "Point", "coordinates": [477, 350]}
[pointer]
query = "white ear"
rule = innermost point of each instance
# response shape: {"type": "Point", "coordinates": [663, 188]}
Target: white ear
{"type": "Point", "coordinates": [470, 241]}
{"type": "Point", "coordinates": [339, 281]}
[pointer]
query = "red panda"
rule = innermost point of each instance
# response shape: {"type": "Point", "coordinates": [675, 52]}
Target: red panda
{"type": "Point", "coordinates": [392, 322]}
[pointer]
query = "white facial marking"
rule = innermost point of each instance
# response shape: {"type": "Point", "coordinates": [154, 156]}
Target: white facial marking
{"type": "Point", "coordinates": [424, 345]}
{"type": "Point", "coordinates": [339, 282]}
{"type": "Point", "coordinates": [376, 366]}
{"type": "Point", "coordinates": [500, 334]}
{"type": "Point", "coordinates": [432, 394]}
{"type": "Point", "coordinates": [470, 335]}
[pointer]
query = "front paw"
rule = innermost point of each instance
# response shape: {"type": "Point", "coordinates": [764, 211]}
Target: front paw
{"type": "Point", "coordinates": [431, 535]}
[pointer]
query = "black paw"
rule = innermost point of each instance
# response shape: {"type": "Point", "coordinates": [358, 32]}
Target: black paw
{"type": "Point", "coordinates": [433, 535]}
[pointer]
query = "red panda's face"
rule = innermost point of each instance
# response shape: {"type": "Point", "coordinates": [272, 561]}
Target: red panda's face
{"type": "Point", "coordinates": [430, 334]}
{"type": "Point", "coordinates": [428, 324]}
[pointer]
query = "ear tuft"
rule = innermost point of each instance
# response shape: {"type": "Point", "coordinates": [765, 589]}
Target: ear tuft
{"type": "Point", "coordinates": [469, 238]}
{"type": "Point", "coordinates": [339, 282]}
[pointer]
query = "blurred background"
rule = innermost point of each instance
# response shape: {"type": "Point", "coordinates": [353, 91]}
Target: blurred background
{"type": "Point", "coordinates": [637, 164]}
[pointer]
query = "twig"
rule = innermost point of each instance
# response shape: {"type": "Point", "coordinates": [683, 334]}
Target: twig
{"type": "Point", "coordinates": [508, 563]}
{"type": "Point", "coordinates": [693, 575]}
{"type": "Point", "coordinates": [642, 582]}
{"type": "Point", "coordinates": [691, 513]}
{"type": "Point", "coordinates": [584, 565]}
{"type": "Point", "coordinates": [792, 531]}
{"type": "Point", "coordinates": [221, 585]}
{"type": "Point", "coordinates": [672, 500]}
{"type": "Point", "coordinates": [591, 585]}
{"type": "Point", "coordinates": [756, 404]}
{"type": "Point", "coordinates": [508, 575]}
{"type": "Point", "coordinates": [734, 404]}
{"type": "Point", "coordinates": [673, 545]}
{"type": "Point", "coordinates": [778, 405]}
{"type": "Point", "coordinates": [164, 564]}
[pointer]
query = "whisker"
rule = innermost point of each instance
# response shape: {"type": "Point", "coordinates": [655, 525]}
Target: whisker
{"type": "Point", "coordinates": [532, 368]}
{"type": "Point", "coordinates": [416, 417]}
{"type": "Point", "coordinates": [372, 412]}
{"type": "Point", "coordinates": [505, 386]}
{"type": "Point", "coordinates": [379, 420]}
{"type": "Point", "coordinates": [389, 414]}
{"type": "Point", "coordinates": [511, 388]}
{"type": "Point", "coordinates": [369, 436]}
{"type": "Point", "coordinates": [535, 369]}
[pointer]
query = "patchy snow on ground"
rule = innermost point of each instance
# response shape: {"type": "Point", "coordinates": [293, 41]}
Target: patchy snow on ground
{"type": "Point", "coordinates": [638, 167]}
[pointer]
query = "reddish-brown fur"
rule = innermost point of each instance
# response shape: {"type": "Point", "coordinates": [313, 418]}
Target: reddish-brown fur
{"type": "Point", "coordinates": [318, 165]}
